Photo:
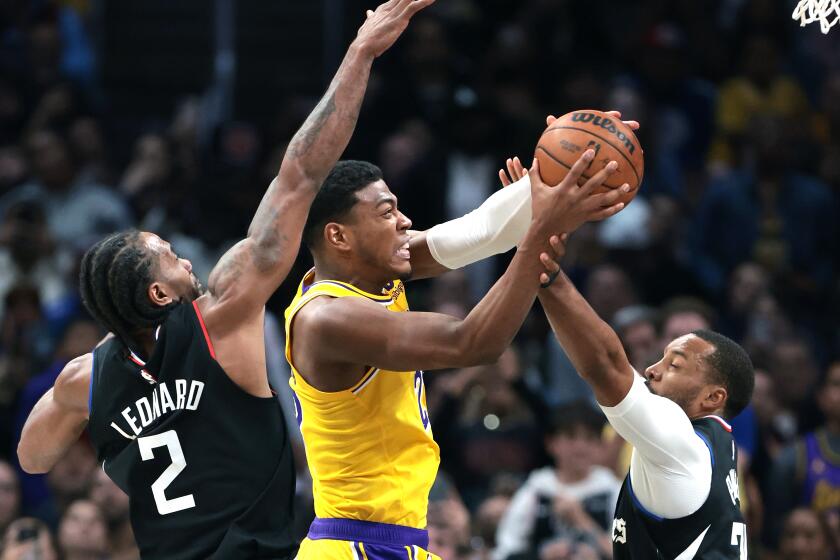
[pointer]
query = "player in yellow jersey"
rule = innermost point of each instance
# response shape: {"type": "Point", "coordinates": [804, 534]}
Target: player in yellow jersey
{"type": "Point", "coordinates": [358, 354]}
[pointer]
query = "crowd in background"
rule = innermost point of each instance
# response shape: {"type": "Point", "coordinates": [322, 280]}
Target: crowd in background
{"type": "Point", "coordinates": [735, 228]}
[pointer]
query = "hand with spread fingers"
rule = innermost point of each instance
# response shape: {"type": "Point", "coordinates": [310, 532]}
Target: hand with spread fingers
{"type": "Point", "coordinates": [384, 25]}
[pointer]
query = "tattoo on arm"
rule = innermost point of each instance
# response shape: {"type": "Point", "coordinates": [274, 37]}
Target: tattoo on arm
{"type": "Point", "coordinates": [308, 133]}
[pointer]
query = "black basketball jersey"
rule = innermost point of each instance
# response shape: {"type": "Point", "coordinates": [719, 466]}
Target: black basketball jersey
{"type": "Point", "coordinates": [207, 467]}
{"type": "Point", "coordinates": [714, 532]}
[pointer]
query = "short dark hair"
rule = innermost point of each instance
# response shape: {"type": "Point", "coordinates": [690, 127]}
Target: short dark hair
{"type": "Point", "coordinates": [731, 367]}
{"type": "Point", "coordinates": [337, 196]}
{"type": "Point", "coordinates": [114, 279]}
{"type": "Point", "coordinates": [576, 414]}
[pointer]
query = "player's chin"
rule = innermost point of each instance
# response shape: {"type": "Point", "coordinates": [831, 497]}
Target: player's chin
{"type": "Point", "coordinates": [402, 269]}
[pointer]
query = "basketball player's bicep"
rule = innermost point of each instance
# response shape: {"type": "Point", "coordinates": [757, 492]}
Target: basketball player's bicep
{"type": "Point", "coordinates": [57, 420]}
{"type": "Point", "coordinates": [364, 333]}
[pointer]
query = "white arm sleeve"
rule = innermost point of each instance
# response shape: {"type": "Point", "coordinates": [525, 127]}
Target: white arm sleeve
{"type": "Point", "coordinates": [496, 226]}
{"type": "Point", "coordinates": [671, 466]}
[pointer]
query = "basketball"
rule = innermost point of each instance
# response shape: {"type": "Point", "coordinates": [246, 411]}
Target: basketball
{"type": "Point", "coordinates": [563, 142]}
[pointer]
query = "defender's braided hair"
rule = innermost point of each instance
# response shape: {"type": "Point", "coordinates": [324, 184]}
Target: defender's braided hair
{"type": "Point", "coordinates": [114, 279]}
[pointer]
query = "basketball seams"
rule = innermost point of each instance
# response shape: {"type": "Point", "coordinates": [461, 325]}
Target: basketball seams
{"type": "Point", "coordinates": [605, 140]}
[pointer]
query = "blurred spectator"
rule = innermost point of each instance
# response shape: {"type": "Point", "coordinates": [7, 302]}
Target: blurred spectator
{"type": "Point", "coordinates": [488, 416]}
{"type": "Point", "coordinates": [28, 254]}
{"type": "Point", "coordinates": [9, 495]}
{"type": "Point", "coordinates": [806, 536]}
{"type": "Point", "coordinates": [78, 211]}
{"type": "Point", "coordinates": [636, 327]}
{"type": "Point", "coordinates": [680, 316]}
{"type": "Point", "coordinates": [767, 213]}
{"type": "Point", "coordinates": [69, 480]}
{"type": "Point", "coordinates": [82, 534]}
{"type": "Point", "coordinates": [762, 89]}
{"type": "Point", "coordinates": [808, 473]}
{"type": "Point", "coordinates": [28, 539]}
{"type": "Point", "coordinates": [113, 503]}
{"type": "Point", "coordinates": [571, 502]}
{"type": "Point", "coordinates": [795, 375]}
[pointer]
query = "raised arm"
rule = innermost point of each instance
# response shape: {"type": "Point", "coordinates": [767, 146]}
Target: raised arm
{"type": "Point", "coordinates": [670, 470]}
{"type": "Point", "coordinates": [352, 328]}
{"type": "Point", "coordinates": [495, 227]}
{"type": "Point", "coordinates": [58, 418]}
{"type": "Point", "coordinates": [251, 270]}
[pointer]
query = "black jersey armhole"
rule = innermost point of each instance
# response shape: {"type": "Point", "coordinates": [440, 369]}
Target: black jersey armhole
{"type": "Point", "coordinates": [204, 330]}
{"type": "Point", "coordinates": [92, 379]}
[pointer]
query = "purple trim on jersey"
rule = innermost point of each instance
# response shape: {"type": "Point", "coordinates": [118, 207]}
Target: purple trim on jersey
{"type": "Point", "coordinates": [708, 444]}
{"type": "Point", "coordinates": [367, 532]}
{"type": "Point", "coordinates": [638, 504]}
{"type": "Point", "coordinates": [379, 552]}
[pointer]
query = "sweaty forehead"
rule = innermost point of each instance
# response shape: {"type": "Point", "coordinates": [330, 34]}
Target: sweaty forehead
{"type": "Point", "coordinates": [155, 244]}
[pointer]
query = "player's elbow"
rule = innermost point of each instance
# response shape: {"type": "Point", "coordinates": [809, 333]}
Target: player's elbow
{"type": "Point", "coordinates": [29, 460]}
{"type": "Point", "coordinates": [475, 352]}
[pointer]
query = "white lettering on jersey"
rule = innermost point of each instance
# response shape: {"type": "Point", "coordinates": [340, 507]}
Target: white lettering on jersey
{"type": "Point", "coordinates": [132, 421]}
{"type": "Point", "coordinates": [196, 388]}
{"type": "Point", "coordinates": [180, 393]}
{"type": "Point", "coordinates": [144, 411]}
{"type": "Point", "coordinates": [732, 486]}
{"type": "Point", "coordinates": [619, 531]}
{"type": "Point", "coordinates": [165, 399]}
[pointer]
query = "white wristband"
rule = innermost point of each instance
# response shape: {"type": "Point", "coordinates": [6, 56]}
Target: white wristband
{"type": "Point", "coordinates": [496, 226]}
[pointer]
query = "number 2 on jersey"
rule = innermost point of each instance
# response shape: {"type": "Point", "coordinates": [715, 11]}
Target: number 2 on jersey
{"type": "Point", "coordinates": [169, 440]}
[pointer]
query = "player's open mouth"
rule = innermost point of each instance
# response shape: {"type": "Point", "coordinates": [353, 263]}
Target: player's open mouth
{"type": "Point", "coordinates": [403, 252]}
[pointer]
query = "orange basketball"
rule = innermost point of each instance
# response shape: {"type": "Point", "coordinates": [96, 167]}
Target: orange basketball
{"type": "Point", "coordinates": [563, 142]}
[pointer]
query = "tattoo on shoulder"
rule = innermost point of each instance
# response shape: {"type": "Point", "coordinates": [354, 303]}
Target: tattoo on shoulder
{"type": "Point", "coordinates": [308, 133]}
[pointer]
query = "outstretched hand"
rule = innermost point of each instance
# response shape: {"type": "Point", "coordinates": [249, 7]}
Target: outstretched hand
{"type": "Point", "coordinates": [568, 205]}
{"type": "Point", "coordinates": [384, 25]}
{"type": "Point", "coordinates": [515, 169]}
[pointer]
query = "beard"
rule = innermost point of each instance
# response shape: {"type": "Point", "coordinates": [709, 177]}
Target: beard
{"type": "Point", "coordinates": [681, 398]}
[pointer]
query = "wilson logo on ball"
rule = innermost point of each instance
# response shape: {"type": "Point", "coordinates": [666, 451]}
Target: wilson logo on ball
{"type": "Point", "coordinates": [606, 124]}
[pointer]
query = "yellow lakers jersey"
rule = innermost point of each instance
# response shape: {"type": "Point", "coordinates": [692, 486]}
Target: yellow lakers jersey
{"type": "Point", "coordinates": [370, 448]}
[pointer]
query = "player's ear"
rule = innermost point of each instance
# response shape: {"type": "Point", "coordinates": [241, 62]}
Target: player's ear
{"type": "Point", "coordinates": [159, 294]}
{"type": "Point", "coordinates": [336, 235]}
{"type": "Point", "coordinates": [715, 398]}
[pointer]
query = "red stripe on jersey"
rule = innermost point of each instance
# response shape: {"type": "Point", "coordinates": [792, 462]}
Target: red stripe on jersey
{"type": "Point", "coordinates": [722, 422]}
{"type": "Point", "coordinates": [204, 330]}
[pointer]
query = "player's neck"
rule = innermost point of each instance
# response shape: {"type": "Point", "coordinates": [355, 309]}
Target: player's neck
{"type": "Point", "coordinates": [347, 274]}
{"type": "Point", "coordinates": [146, 340]}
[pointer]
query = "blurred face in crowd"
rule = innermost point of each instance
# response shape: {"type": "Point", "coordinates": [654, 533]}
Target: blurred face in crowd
{"type": "Point", "coordinates": [112, 501]}
{"type": "Point", "coordinates": [641, 342]}
{"type": "Point", "coordinates": [828, 396]}
{"type": "Point", "coordinates": [78, 339]}
{"type": "Point", "coordinates": [70, 477]}
{"type": "Point", "coordinates": [682, 375]}
{"type": "Point", "coordinates": [804, 537]}
{"type": "Point", "coordinates": [28, 538]}
{"type": "Point", "coordinates": [764, 400]}
{"type": "Point", "coordinates": [9, 495]}
{"type": "Point", "coordinates": [443, 541]}
{"type": "Point", "coordinates": [608, 289]}
{"type": "Point", "coordinates": [681, 323]}
{"type": "Point", "coordinates": [82, 530]}
{"type": "Point", "coordinates": [794, 371]}
{"type": "Point", "coordinates": [748, 283]}
{"type": "Point", "coordinates": [50, 160]}
{"type": "Point", "coordinates": [575, 450]}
